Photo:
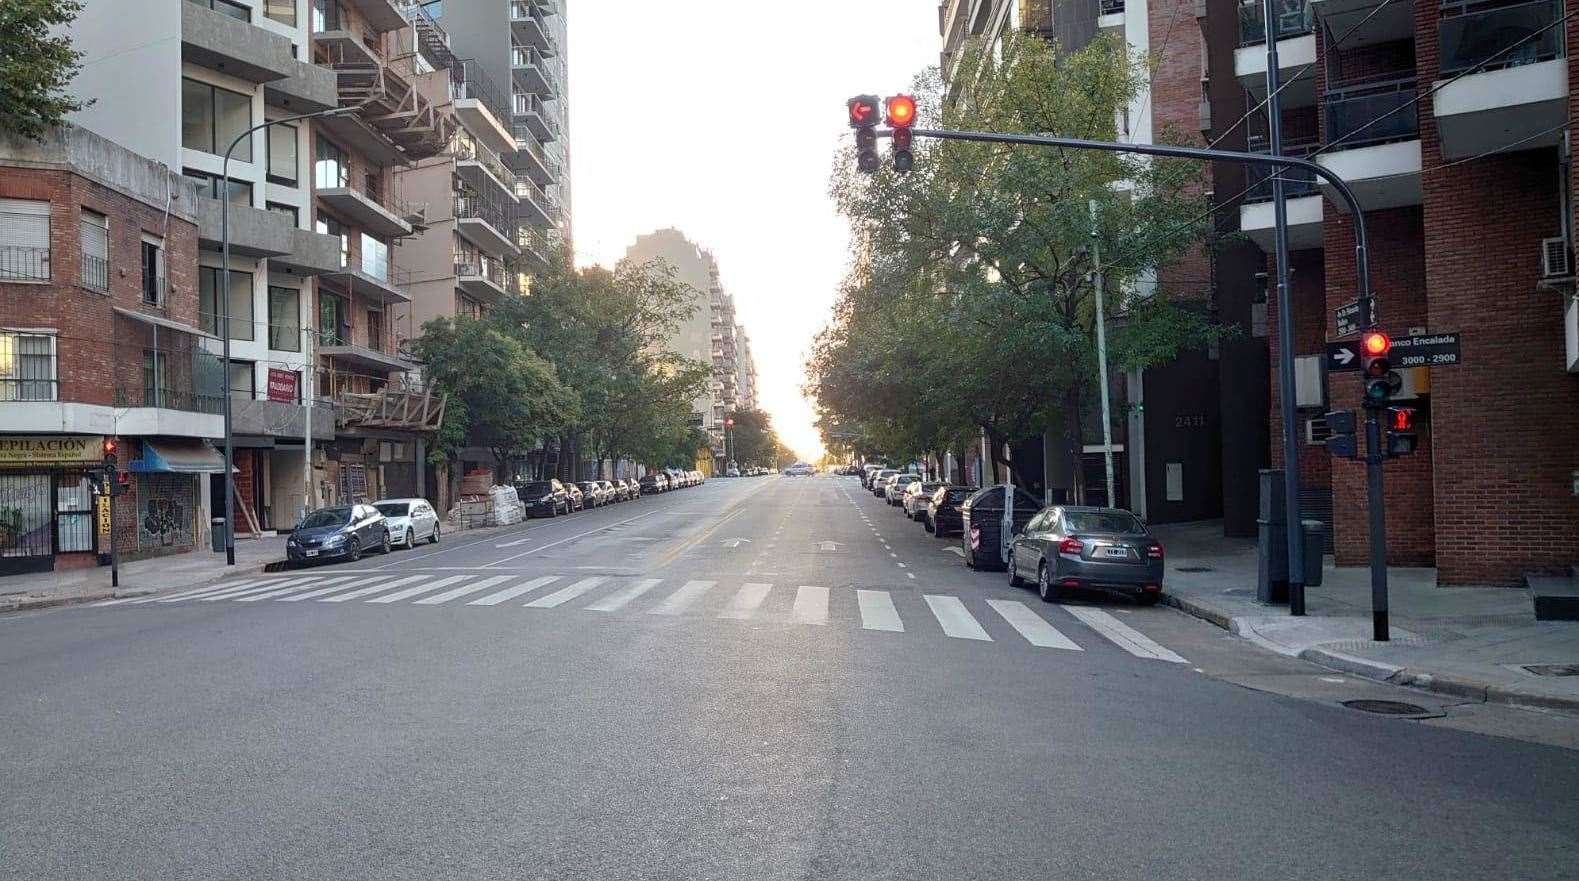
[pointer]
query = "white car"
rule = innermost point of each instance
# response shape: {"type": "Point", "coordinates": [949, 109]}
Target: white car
{"type": "Point", "coordinates": [410, 521]}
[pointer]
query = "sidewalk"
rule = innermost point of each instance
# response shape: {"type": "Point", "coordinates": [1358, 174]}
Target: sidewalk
{"type": "Point", "coordinates": [1471, 642]}
{"type": "Point", "coordinates": [137, 578]}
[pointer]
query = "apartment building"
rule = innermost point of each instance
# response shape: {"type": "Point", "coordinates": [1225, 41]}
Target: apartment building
{"type": "Point", "coordinates": [746, 371]}
{"type": "Point", "coordinates": [1450, 122]}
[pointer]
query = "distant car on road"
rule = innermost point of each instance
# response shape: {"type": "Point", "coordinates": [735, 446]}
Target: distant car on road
{"type": "Point", "coordinates": [409, 521]}
{"type": "Point", "coordinates": [800, 469]}
{"type": "Point", "coordinates": [592, 493]}
{"type": "Point", "coordinates": [652, 484]}
{"type": "Point", "coordinates": [340, 531]}
{"type": "Point", "coordinates": [878, 478]}
{"type": "Point", "coordinates": [732, 471]}
{"type": "Point", "coordinates": [916, 497]}
{"type": "Point", "coordinates": [942, 512]}
{"type": "Point", "coordinates": [543, 498]}
{"type": "Point", "coordinates": [1108, 550]}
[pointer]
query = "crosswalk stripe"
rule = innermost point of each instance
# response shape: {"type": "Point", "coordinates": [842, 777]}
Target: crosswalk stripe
{"type": "Point", "coordinates": [333, 588]}
{"type": "Point", "coordinates": [680, 600]}
{"type": "Point", "coordinates": [410, 592]}
{"type": "Point", "coordinates": [378, 584]}
{"type": "Point", "coordinates": [461, 591]}
{"type": "Point", "coordinates": [1030, 625]}
{"type": "Point", "coordinates": [746, 601]}
{"type": "Point", "coordinates": [811, 605]}
{"type": "Point", "coordinates": [137, 600]}
{"type": "Point", "coordinates": [204, 591]}
{"type": "Point", "coordinates": [495, 599]}
{"type": "Point", "coordinates": [620, 598]}
{"type": "Point", "coordinates": [232, 594]}
{"type": "Point", "coordinates": [566, 594]}
{"type": "Point", "coordinates": [955, 619]}
{"type": "Point", "coordinates": [282, 591]}
{"type": "Point", "coordinates": [878, 612]}
{"type": "Point", "coordinates": [1124, 636]}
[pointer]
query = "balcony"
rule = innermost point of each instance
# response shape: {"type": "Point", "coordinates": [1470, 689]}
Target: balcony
{"type": "Point", "coordinates": [255, 415]}
{"type": "Point", "coordinates": [378, 215]}
{"type": "Point", "coordinates": [254, 232]}
{"type": "Point", "coordinates": [481, 106]}
{"type": "Point", "coordinates": [372, 280]}
{"type": "Point", "coordinates": [309, 89]}
{"type": "Point", "coordinates": [1303, 199]}
{"type": "Point", "coordinates": [364, 358]}
{"type": "Point", "coordinates": [537, 115]}
{"type": "Point", "coordinates": [243, 50]}
{"type": "Point", "coordinates": [535, 245]}
{"type": "Point", "coordinates": [394, 122]}
{"type": "Point", "coordinates": [484, 223]}
{"type": "Point", "coordinates": [311, 254]}
{"type": "Point", "coordinates": [536, 206]}
{"type": "Point", "coordinates": [1110, 15]}
{"type": "Point", "coordinates": [482, 277]}
{"type": "Point", "coordinates": [531, 70]}
{"type": "Point", "coordinates": [1519, 100]}
{"type": "Point", "coordinates": [1361, 23]}
{"type": "Point", "coordinates": [530, 158]}
{"type": "Point", "coordinates": [1296, 47]}
{"type": "Point", "coordinates": [529, 25]}
{"type": "Point", "coordinates": [1378, 133]}
{"type": "Point", "coordinates": [480, 167]}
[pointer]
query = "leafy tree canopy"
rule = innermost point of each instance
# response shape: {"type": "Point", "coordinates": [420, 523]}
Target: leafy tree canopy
{"type": "Point", "coordinates": [36, 65]}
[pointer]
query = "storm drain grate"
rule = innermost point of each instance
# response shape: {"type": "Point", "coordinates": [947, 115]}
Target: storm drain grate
{"type": "Point", "coordinates": [1553, 669]}
{"type": "Point", "coordinates": [1193, 569]}
{"type": "Point", "coordinates": [1386, 708]}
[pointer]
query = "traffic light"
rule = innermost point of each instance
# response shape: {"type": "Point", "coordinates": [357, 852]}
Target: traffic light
{"type": "Point", "coordinates": [864, 116]}
{"type": "Point", "coordinates": [1401, 437]}
{"type": "Point", "coordinates": [729, 422]}
{"type": "Point", "coordinates": [122, 482]}
{"type": "Point", "coordinates": [1341, 440]}
{"type": "Point", "coordinates": [1381, 381]}
{"type": "Point", "coordinates": [110, 448]}
{"type": "Point", "coordinates": [901, 115]}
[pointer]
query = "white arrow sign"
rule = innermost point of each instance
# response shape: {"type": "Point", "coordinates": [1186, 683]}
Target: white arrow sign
{"type": "Point", "coordinates": [1343, 356]}
{"type": "Point", "coordinates": [735, 542]}
{"type": "Point", "coordinates": [827, 546]}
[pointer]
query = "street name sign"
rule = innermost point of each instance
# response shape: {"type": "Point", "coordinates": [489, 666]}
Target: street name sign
{"type": "Point", "coordinates": [1424, 350]}
{"type": "Point", "coordinates": [1347, 318]}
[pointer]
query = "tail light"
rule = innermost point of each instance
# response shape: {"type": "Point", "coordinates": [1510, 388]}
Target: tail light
{"type": "Point", "coordinates": [1154, 552]}
{"type": "Point", "coordinates": [1070, 546]}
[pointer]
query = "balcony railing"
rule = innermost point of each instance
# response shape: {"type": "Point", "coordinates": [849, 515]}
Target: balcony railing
{"type": "Point", "coordinates": [466, 147]}
{"type": "Point", "coordinates": [472, 206]}
{"type": "Point", "coordinates": [1475, 33]}
{"type": "Point", "coordinates": [18, 262]}
{"type": "Point", "coordinates": [475, 265]}
{"type": "Point", "coordinates": [188, 380]}
{"type": "Point", "coordinates": [1373, 112]}
{"type": "Point", "coordinates": [95, 272]}
{"type": "Point", "coordinates": [1111, 7]}
{"type": "Point", "coordinates": [467, 80]}
{"type": "Point", "coordinates": [1296, 181]}
{"type": "Point", "coordinates": [1293, 19]}
{"type": "Point", "coordinates": [528, 56]}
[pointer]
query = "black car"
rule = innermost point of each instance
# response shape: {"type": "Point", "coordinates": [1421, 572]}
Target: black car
{"type": "Point", "coordinates": [652, 484]}
{"type": "Point", "coordinates": [981, 524]}
{"type": "Point", "coordinates": [544, 498]}
{"type": "Point", "coordinates": [592, 492]}
{"type": "Point", "coordinates": [942, 514]}
{"type": "Point", "coordinates": [338, 532]}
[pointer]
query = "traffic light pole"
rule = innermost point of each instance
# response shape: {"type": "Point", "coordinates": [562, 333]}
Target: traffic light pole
{"type": "Point", "coordinates": [1373, 491]}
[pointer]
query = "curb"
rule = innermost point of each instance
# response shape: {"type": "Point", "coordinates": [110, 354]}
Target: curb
{"type": "Point", "coordinates": [1379, 671]}
{"type": "Point", "coordinates": [28, 604]}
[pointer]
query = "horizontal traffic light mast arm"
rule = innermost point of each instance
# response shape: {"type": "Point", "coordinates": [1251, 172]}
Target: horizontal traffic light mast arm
{"type": "Point", "coordinates": [1361, 258]}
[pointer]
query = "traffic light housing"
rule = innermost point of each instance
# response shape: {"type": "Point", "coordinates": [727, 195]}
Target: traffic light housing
{"type": "Point", "coordinates": [1381, 381]}
{"type": "Point", "coordinates": [110, 448]}
{"type": "Point", "coordinates": [864, 117]}
{"type": "Point", "coordinates": [121, 483]}
{"type": "Point", "coordinates": [1401, 436]}
{"type": "Point", "coordinates": [1340, 441]}
{"type": "Point", "coordinates": [900, 114]}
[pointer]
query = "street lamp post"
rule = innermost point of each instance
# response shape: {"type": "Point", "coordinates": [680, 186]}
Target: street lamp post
{"type": "Point", "coordinates": [224, 313]}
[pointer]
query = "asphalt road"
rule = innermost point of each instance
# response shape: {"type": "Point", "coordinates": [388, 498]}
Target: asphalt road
{"type": "Point", "coordinates": [755, 678]}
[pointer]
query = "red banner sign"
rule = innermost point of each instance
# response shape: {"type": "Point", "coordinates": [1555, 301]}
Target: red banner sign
{"type": "Point", "coordinates": [282, 385]}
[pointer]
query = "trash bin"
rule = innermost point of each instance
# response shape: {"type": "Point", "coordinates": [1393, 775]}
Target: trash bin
{"type": "Point", "coordinates": [216, 530]}
{"type": "Point", "coordinates": [1315, 534]}
{"type": "Point", "coordinates": [1272, 540]}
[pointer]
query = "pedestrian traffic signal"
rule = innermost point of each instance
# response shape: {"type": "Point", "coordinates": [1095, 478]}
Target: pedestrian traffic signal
{"type": "Point", "coordinates": [1381, 381]}
{"type": "Point", "coordinates": [901, 115]}
{"type": "Point", "coordinates": [1401, 437]}
{"type": "Point", "coordinates": [122, 482]}
{"type": "Point", "coordinates": [864, 117]}
{"type": "Point", "coordinates": [1340, 441]}
{"type": "Point", "coordinates": [110, 448]}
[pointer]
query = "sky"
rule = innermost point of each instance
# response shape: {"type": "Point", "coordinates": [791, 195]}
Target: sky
{"type": "Point", "coordinates": [720, 118]}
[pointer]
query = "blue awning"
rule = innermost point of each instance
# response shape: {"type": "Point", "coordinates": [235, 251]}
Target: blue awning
{"type": "Point", "coordinates": [179, 457]}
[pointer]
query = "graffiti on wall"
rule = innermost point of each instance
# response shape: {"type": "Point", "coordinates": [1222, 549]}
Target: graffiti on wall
{"type": "Point", "coordinates": [164, 511]}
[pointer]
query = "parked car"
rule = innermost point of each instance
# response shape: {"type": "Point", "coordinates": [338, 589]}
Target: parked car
{"type": "Point", "coordinates": [578, 499]}
{"type": "Point", "coordinates": [652, 484]}
{"type": "Point", "coordinates": [981, 524]}
{"type": "Point", "coordinates": [916, 497]}
{"type": "Point", "coordinates": [544, 498]}
{"type": "Point", "coordinates": [340, 531]}
{"type": "Point", "coordinates": [867, 473]}
{"type": "Point", "coordinates": [409, 521]}
{"type": "Point", "coordinates": [1068, 547]}
{"type": "Point", "coordinates": [592, 493]}
{"type": "Point", "coordinates": [942, 510]}
{"type": "Point", "coordinates": [878, 477]}
{"type": "Point", "coordinates": [894, 492]}
{"type": "Point", "coordinates": [732, 471]}
{"type": "Point", "coordinates": [613, 491]}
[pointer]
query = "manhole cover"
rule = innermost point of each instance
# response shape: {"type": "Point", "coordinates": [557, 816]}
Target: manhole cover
{"type": "Point", "coordinates": [1387, 708]}
{"type": "Point", "coordinates": [1553, 669]}
{"type": "Point", "coordinates": [1193, 569]}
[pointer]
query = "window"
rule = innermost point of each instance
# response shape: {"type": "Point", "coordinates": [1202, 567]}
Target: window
{"type": "Point", "coordinates": [24, 239]}
{"type": "Point", "coordinates": [95, 250]}
{"type": "Point", "coordinates": [326, 16]}
{"type": "Point", "coordinates": [288, 210]}
{"type": "Point", "coordinates": [375, 257]}
{"type": "Point", "coordinates": [213, 185]}
{"type": "Point", "coordinates": [227, 7]}
{"type": "Point", "coordinates": [243, 380]}
{"type": "Point", "coordinates": [208, 307]}
{"type": "Point", "coordinates": [334, 320]}
{"type": "Point", "coordinates": [153, 271]}
{"type": "Point", "coordinates": [285, 319]}
{"type": "Point", "coordinates": [331, 166]}
{"type": "Point", "coordinates": [27, 366]}
{"type": "Point", "coordinates": [282, 154]}
{"type": "Point", "coordinates": [212, 117]}
{"type": "Point", "coordinates": [282, 11]}
{"type": "Point", "coordinates": [156, 377]}
{"type": "Point", "coordinates": [375, 329]}
{"type": "Point", "coordinates": [331, 227]}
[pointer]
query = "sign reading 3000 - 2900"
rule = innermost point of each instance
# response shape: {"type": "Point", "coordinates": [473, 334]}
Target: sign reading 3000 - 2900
{"type": "Point", "coordinates": [1426, 350]}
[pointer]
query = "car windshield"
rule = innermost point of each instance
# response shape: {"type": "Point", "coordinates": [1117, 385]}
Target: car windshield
{"type": "Point", "coordinates": [537, 488]}
{"type": "Point", "coordinates": [327, 517]}
{"type": "Point", "coordinates": [958, 495]}
{"type": "Point", "coordinates": [1119, 522]}
{"type": "Point", "coordinates": [393, 509]}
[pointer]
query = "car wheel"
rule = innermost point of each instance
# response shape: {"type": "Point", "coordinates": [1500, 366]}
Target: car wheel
{"type": "Point", "coordinates": [434, 538]}
{"type": "Point", "coordinates": [927, 525]}
{"type": "Point", "coordinates": [384, 545]}
{"type": "Point", "coordinates": [1044, 584]}
{"type": "Point", "coordinates": [1148, 599]}
{"type": "Point", "coordinates": [1014, 574]}
{"type": "Point", "coordinates": [353, 549]}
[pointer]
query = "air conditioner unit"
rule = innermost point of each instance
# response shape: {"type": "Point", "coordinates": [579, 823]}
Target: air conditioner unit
{"type": "Point", "coordinates": [1556, 258]}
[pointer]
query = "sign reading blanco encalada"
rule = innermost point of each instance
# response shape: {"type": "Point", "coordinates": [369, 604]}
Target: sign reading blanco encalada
{"type": "Point", "coordinates": [50, 449]}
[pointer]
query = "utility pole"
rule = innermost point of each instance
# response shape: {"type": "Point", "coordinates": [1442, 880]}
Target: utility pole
{"type": "Point", "coordinates": [1107, 413]}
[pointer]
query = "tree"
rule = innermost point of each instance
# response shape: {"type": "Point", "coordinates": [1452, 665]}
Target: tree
{"type": "Point", "coordinates": [970, 306]}
{"type": "Point", "coordinates": [752, 439]}
{"type": "Point", "coordinates": [36, 66]}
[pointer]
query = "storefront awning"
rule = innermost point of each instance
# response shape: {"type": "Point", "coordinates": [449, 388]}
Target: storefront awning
{"type": "Point", "coordinates": [179, 458]}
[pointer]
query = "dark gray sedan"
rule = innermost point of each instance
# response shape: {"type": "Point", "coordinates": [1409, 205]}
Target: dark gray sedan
{"type": "Point", "coordinates": [1068, 548]}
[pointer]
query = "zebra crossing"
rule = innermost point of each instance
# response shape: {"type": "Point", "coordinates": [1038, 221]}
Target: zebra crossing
{"type": "Point", "coordinates": [963, 618]}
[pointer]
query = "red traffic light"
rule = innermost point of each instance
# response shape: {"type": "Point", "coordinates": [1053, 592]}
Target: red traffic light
{"type": "Point", "coordinates": [901, 111]}
{"type": "Point", "coordinates": [863, 111]}
{"type": "Point", "coordinates": [729, 423]}
{"type": "Point", "coordinates": [1401, 419]}
{"type": "Point", "coordinates": [1375, 343]}
{"type": "Point", "coordinates": [109, 446]}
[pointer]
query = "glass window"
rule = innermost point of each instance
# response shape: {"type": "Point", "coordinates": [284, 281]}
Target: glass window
{"type": "Point", "coordinates": [285, 321]}
{"type": "Point", "coordinates": [156, 378]}
{"type": "Point", "coordinates": [226, 7]}
{"type": "Point", "coordinates": [282, 11]}
{"type": "Point", "coordinates": [282, 154]}
{"type": "Point", "coordinates": [334, 320]}
{"type": "Point", "coordinates": [288, 210]}
{"type": "Point", "coordinates": [331, 227]}
{"type": "Point", "coordinates": [153, 272]}
{"type": "Point", "coordinates": [212, 117]}
{"type": "Point", "coordinates": [24, 239]}
{"type": "Point", "coordinates": [1103, 521]}
{"type": "Point", "coordinates": [375, 257]}
{"type": "Point", "coordinates": [27, 366]}
{"type": "Point", "coordinates": [331, 166]}
{"type": "Point", "coordinates": [243, 380]}
{"type": "Point", "coordinates": [95, 250]}
{"type": "Point", "coordinates": [241, 322]}
{"type": "Point", "coordinates": [213, 185]}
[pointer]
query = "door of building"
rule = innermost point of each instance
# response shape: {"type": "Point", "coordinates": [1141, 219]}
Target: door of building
{"type": "Point", "coordinates": [27, 520]}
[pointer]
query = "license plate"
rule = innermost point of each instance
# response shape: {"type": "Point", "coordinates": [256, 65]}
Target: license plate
{"type": "Point", "coordinates": [1120, 553]}
{"type": "Point", "coordinates": [310, 553]}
